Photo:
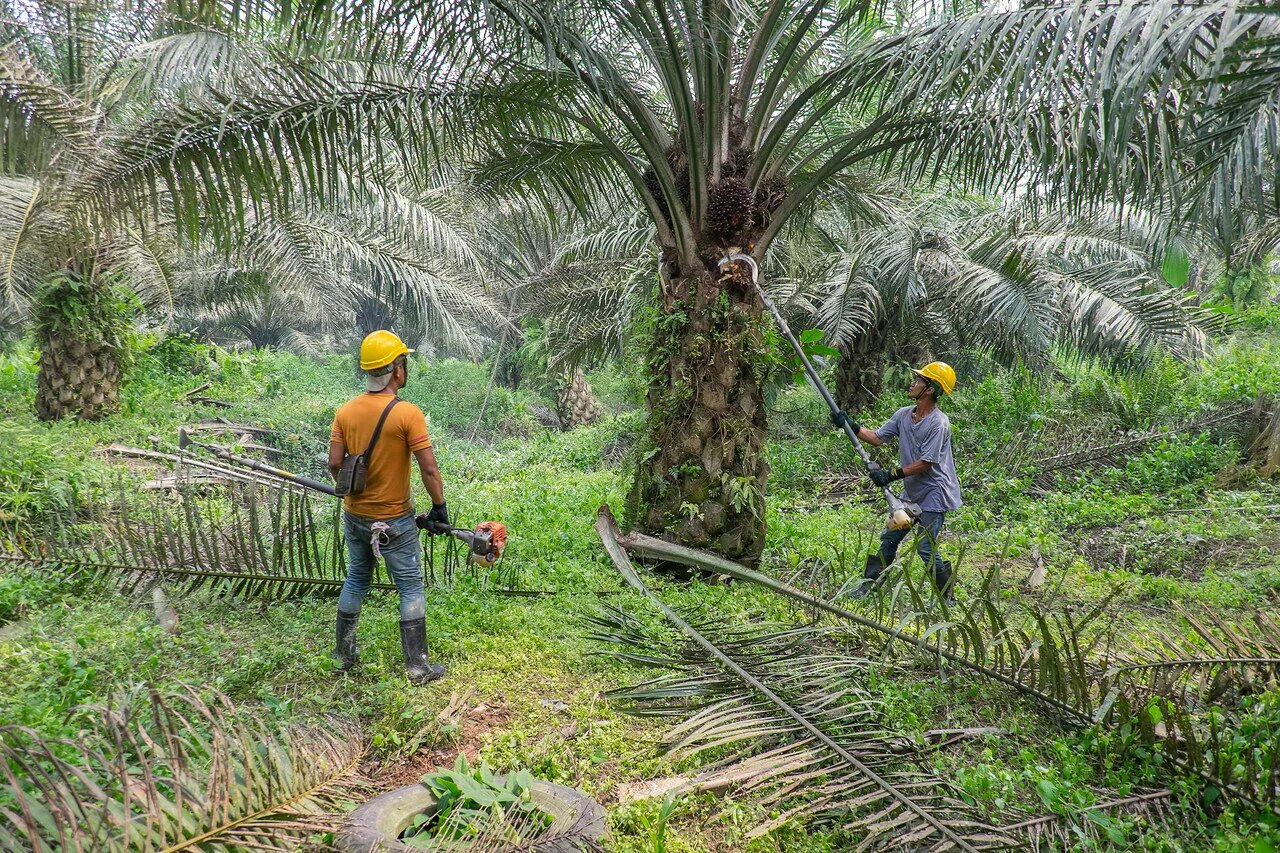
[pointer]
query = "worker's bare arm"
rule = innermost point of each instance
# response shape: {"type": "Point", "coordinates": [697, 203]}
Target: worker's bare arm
{"type": "Point", "coordinates": [337, 451]}
{"type": "Point", "coordinates": [869, 436]}
{"type": "Point", "coordinates": [915, 469]}
{"type": "Point", "coordinates": [430, 474]}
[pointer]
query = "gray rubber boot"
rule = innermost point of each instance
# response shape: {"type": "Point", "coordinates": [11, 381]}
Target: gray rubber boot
{"type": "Point", "coordinates": [344, 648]}
{"type": "Point", "coordinates": [413, 639]}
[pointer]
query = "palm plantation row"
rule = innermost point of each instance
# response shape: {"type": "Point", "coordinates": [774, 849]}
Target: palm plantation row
{"type": "Point", "coordinates": [479, 170]}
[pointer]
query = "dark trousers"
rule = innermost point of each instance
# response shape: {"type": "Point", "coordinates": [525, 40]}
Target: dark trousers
{"type": "Point", "coordinates": [930, 524]}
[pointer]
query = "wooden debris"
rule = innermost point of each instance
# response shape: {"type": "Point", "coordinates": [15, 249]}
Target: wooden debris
{"type": "Point", "coordinates": [648, 789]}
{"type": "Point", "coordinates": [209, 401]}
{"type": "Point", "coordinates": [173, 459]}
{"type": "Point", "coordinates": [165, 614]}
{"type": "Point", "coordinates": [222, 426]}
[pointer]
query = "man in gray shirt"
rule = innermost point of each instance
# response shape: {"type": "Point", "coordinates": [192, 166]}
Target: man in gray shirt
{"type": "Point", "coordinates": [928, 469]}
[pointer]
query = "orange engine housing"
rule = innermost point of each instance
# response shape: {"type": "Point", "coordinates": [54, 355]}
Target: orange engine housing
{"type": "Point", "coordinates": [498, 537]}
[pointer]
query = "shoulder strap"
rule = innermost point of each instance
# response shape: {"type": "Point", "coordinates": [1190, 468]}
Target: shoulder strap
{"type": "Point", "coordinates": [377, 431]}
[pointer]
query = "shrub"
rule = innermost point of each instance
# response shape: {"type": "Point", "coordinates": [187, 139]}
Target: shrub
{"type": "Point", "coordinates": [41, 473]}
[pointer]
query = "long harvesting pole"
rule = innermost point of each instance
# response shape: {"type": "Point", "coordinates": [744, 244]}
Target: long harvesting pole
{"type": "Point", "coordinates": [896, 504]}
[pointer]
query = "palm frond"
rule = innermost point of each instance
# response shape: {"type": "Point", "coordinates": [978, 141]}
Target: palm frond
{"type": "Point", "coordinates": [1044, 665]}
{"type": "Point", "coordinates": [191, 58]}
{"type": "Point", "coordinates": [833, 744]}
{"type": "Point", "coordinates": [267, 542]}
{"type": "Point", "coordinates": [19, 198]}
{"type": "Point", "coordinates": [148, 261]}
{"type": "Point", "coordinates": [1057, 832]}
{"type": "Point", "coordinates": [171, 771]}
{"type": "Point", "coordinates": [31, 106]}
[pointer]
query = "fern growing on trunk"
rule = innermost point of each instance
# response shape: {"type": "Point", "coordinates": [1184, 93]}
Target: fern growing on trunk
{"type": "Point", "coordinates": [82, 330]}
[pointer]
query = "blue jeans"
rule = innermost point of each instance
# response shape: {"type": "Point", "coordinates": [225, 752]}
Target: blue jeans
{"type": "Point", "coordinates": [930, 529]}
{"type": "Point", "coordinates": [402, 551]}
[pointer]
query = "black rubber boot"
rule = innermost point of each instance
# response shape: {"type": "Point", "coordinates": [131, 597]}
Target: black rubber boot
{"type": "Point", "coordinates": [870, 575]}
{"type": "Point", "coordinates": [413, 639]}
{"type": "Point", "coordinates": [344, 649]}
{"type": "Point", "coordinates": [942, 580]}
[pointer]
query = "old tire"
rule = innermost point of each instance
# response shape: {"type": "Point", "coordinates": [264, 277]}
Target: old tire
{"type": "Point", "coordinates": [375, 827]}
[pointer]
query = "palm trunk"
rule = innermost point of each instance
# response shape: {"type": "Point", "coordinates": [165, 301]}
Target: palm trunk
{"type": "Point", "coordinates": [1264, 452]}
{"type": "Point", "coordinates": [702, 470]}
{"type": "Point", "coordinates": [576, 403]}
{"type": "Point", "coordinates": [80, 368]}
{"type": "Point", "coordinates": [860, 374]}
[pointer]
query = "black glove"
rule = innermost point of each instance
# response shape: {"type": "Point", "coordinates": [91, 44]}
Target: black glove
{"type": "Point", "coordinates": [439, 515]}
{"type": "Point", "coordinates": [883, 477]}
{"type": "Point", "coordinates": [839, 418]}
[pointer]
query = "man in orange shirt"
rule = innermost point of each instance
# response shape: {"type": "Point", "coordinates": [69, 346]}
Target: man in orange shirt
{"type": "Point", "coordinates": [379, 521]}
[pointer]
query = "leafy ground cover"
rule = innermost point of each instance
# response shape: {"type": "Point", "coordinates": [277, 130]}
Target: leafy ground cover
{"type": "Point", "coordinates": [526, 685]}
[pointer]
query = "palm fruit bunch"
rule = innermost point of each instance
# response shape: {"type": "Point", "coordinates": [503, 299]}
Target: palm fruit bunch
{"type": "Point", "coordinates": [676, 160]}
{"type": "Point", "coordinates": [730, 209]}
{"type": "Point", "coordinates": [769, 197]}
{"type": "Point", "coordinates": [576, 403]}
{"type": "Point", "coordinates": [739, 163]}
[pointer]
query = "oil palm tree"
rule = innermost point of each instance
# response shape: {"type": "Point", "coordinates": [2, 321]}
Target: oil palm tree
{"type": "Point", "coordinates": [71, 75]}
{"type": "Point", "coordinates": [957, 277]}
{"type": "Point", "coordinates": [726, 121]}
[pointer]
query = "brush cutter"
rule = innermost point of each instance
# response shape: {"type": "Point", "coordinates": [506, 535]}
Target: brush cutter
{"type": "Point", "coordinates": [485, 542]}
{"type": "Point", "coordinates": [901, 513]}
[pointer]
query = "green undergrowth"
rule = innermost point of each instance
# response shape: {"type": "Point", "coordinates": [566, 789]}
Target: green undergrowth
{"type": "Point", "coordinates": [1147, 535]}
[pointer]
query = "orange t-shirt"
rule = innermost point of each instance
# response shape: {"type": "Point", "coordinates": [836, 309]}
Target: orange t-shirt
{"type": "Point", "coordinates": [386, 490]}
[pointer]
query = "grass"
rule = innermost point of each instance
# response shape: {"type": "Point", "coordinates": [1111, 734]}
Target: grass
{"type": "Point", "coordinates": [536, 682]}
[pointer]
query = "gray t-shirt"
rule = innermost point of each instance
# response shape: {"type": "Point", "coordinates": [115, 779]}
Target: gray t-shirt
{"type": "Point", "coordinates": [938, 489]}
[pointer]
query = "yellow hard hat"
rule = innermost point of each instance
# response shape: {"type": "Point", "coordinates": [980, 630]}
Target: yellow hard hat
{"type": "Point", "coordinates": [380, 348]}
{"type": "Point", "coordinates": [940, 372]}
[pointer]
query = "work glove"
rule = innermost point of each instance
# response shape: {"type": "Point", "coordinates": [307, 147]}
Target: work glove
{"type": "Point", "coordinates": [883, 476]}
{"type": "Point", "coordinates": [439, 515]}
{"type": "Point", "coordinates": [839, 418]}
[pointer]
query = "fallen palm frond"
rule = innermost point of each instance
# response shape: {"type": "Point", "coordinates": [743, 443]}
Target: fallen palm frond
{"type": "Point", "coordinates": [1048, 667]}
{"type": "Point", "coordinates": [808, 732]}
{"type": "Point", "coordinates": [249, 539]}
{"type": "Point", "coordinates": [1095, 824]}
{"type": "Point", "coordinates": [1072, 673]}
{"type": "Point", "coordinates": [255, 541]}
{"type": "Point", "coordinates": [1113, 453]}
{"type": "Point", "coordinates": [172, 772]}
{"type": "Point", "coordinates": [1231, 660]}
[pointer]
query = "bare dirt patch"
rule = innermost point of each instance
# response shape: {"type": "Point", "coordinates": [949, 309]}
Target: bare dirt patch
{"type": "Point", "coordinates": [473, 720]}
